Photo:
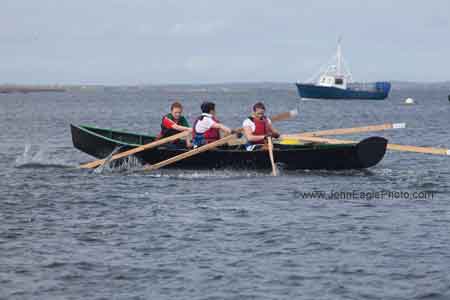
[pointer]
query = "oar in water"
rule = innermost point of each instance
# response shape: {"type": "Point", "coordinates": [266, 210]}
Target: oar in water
{"type": "Point", "coordinates": [272, 160]}
{"type": "Point", "coordinates": [210, 146]}
{"type": "Point", "coordinates": [396, 147]}
{"type": "Point", "coordinates": [107, 160]}
{"type": "Point", "coordinates": [352, 130]}
{"type": "Point", "coordinates": [151, 145]}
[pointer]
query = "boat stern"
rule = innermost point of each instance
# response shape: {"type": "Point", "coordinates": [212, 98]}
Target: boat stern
{"type": "Point", "coordinates": [371, 151]}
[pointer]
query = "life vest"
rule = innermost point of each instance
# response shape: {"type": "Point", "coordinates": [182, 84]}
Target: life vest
{"type": "Point", "coordinates": [166, 132]}
{"type": "Point", "coordinates": [209, 136]}
{"type": "Point", "coordinates": [261, 127]}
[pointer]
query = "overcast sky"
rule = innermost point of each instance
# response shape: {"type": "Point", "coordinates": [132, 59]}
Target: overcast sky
{"type": "Point", "coordinates": [153, 42]}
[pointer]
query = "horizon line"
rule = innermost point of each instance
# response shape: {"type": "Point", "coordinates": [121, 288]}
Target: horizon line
{"type": "Point", "coordinates": [195, 83]}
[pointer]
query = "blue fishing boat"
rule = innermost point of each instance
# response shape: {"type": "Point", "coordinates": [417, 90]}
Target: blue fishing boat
{"type": "Point", "coordinates": [335, 82]}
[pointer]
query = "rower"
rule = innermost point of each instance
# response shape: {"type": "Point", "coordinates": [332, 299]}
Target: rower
{"type": "Point", "coordinates": [207, 127]}
{"type": "Point", "coordinates": [258, 127]}
{"type": "Point", "coordinates": [173, 123]}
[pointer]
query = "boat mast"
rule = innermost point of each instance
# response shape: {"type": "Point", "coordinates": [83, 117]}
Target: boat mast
{"type": "Point", "coordinates": [339, 58]}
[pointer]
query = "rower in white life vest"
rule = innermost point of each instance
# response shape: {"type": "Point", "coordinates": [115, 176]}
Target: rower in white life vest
{"type": "Point", "coordinates": [207, 127]}
{"type": "Point", "coordinates": [258, 127]}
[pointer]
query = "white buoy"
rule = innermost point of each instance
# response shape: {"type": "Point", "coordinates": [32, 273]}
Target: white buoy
{"type": "Point", "coordinates": [409, 101]}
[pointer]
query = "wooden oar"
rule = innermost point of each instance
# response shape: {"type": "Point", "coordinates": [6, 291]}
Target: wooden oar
{"type": "Point", "coordinates": [417, 149]}
{"type": "Point", "coordinates": [272, 160]}
{"type": "Point", "coordinates": [352, 130]}
{"type": "Point", "coordinates": [396, 147]}
{"type": "Point", "coordinates": [190, 153]}
{"type": "Point", "coordinates": [284, 116]}
{"type": "Point", "coordinates": [210, 146]}
{"type": "Point", "coordinates": [151, 145]}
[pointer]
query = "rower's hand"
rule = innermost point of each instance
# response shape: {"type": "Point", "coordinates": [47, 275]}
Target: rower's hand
{"type": "Point", "coordinates": [272, 135]}
{"type": "Point", "coordinates": [237, 133]}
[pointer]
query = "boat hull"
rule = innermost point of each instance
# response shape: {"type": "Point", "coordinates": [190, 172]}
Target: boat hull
{"type": "Point", "coordinates": [367, 153]}
{"type": "Point", "coordinates": [323, 92]}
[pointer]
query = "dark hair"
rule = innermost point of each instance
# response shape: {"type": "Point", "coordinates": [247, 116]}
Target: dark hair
{"type": "Point", "coordinates": [259, 105]}
{"type": "Point", "coordinates": [207, 107]}
{"type": "Point", "coordinates": [176, 105]}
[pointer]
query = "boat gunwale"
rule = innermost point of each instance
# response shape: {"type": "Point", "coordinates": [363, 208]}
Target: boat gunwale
{"type": "Point", "coordinates": [87, 129]}
{"type": "Point", "coordinates": [300, 147]}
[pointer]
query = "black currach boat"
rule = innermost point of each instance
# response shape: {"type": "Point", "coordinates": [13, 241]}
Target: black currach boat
{"type": "Point", "coordinates": [100, 143]}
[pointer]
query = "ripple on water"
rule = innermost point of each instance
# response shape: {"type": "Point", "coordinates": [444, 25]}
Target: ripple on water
{"type": "Point", "coordinates": [121, 233]}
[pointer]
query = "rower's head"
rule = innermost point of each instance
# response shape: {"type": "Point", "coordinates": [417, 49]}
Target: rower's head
{"type": "Point", "coordinates": [259, 110]}
{"type": "Point", "coordinates": [176, 109]}
{"type": "Point", "coordinates": [208, 108]}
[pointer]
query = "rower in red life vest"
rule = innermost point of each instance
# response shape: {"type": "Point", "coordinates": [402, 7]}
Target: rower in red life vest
{"type": "Point", "coordinates": [174, 123]}
{"type": "Point", "coordinates": [207, 127]}
{"type": "Point", "coordinates": [258, 127]}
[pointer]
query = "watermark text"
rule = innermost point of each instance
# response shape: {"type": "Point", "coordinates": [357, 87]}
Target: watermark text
{"type": "Point", "coordinates": [367, 195]}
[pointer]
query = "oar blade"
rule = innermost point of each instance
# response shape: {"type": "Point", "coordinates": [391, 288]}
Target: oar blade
{"type": "Point", "coordinates": [352, 130]}
{"type": "Point", "coordinates": [272, 160]}
{"type": "Point", "coordinates": [396, 147]}
{"type": "Point", "coordinates": [417, 149]}
{"type": "Point", "coordinates": [285, 116]}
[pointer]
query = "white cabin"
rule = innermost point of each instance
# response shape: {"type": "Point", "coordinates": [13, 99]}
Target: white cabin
{"type": "Point", "coordinates": [332, 81]}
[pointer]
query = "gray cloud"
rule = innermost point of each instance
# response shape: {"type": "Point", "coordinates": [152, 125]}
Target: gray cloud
{"type": "Point", "coordinates": [129, 42]}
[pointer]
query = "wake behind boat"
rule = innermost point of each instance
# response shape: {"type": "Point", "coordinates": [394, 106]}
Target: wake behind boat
{"type": "Point", "coordinates": [335, 82]}
{"type": "Point", "coordinates": [100, 142]}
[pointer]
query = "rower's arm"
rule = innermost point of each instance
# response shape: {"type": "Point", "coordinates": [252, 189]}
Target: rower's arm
{"type": "Point", "coordinates": [222, 127]}
{"type": "Point", "coordinates": [181, 128]}
{"type": "Point", "coordinates": [168, 123]}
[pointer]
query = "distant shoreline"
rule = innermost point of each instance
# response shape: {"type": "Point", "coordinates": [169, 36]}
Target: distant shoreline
{"type": "Point", "coordinates": [8, 89]}
{"type": "Point", "coordinates": [23, 88]}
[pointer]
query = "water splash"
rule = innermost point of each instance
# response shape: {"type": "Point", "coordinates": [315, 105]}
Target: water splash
{"type": "Point", "coordinates": [41, 158]}
{"type": "Point", "coordinates": [127, 164]}
{"type": "Point", "coordinates": [25, 157]}
{"type": "Point", "coordinates": [107, 161]}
